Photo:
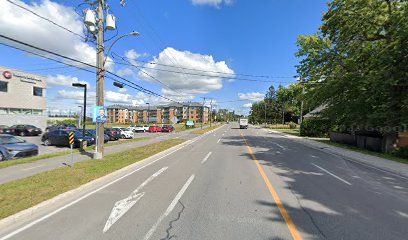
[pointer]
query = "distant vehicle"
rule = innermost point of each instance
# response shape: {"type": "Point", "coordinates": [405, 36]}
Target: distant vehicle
{"type": "Point", "coordinates": [243, 123]}
{"type": "Point", "coordinates": [60, 127]}
{"type": "Point", "coordinates": [146, 128]}
{"type": "Point", "coordinates": [12, 147]}
{"type": "Point", "coordinates": [92, 133]}
{"type": "Point", "coordinates": [125, 133]}
{"type": "Point", "coordinates": [167, 128]}
{"type": "Point", "coordinates": [112, 133]}
{"type": "Point", "coordinates": [26, 130]}
{"type": "Point", "coordinates": [61, 138]}
{"type": "Point", "coordinates": [139, 129]}
{"type": "Point", "coordinates": [6, 129]}
{"type": "Point", "coordinates": [155, 129]}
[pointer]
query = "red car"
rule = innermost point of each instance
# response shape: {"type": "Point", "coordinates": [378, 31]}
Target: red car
{"type": "Point", "coordinates": [155, 129]}
{"type": "Point", "coordinates": [167, 128]}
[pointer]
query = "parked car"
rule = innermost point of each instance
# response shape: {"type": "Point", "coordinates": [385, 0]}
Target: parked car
{"type": "Point", "coordinates": [155, 129]}
{"type": "Point", "coordinates": [92, 133]}
{"type": "Point", "coordinates": [64, 126]}
{"type": "Point", "coordinates": [167, 128]}
{"type": "Point", "coordinates": [138, 129]}
{"type": "Point", "coordinates": [125, 133]}
{"type": "Point", "coordinates": [112, 133]}
{"type": "Point", "coordinates": [6, 129]}
{"type": "Point", "coordinates": [26, 130]}
{"type": "Point", "coordinates": [60, 138]}
{"type": "Point", "coordinates": [12, 147]}
{"type": "Point", "coordinates": [146, 128]}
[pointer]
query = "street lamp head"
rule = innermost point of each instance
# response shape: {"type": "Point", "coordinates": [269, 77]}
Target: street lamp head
{"type": "Point", "coordinates": [134, 34]}
{"type": "Point", "coordinates": [117, 84]}
{"type": "Point", "coordinates": [79, 85]}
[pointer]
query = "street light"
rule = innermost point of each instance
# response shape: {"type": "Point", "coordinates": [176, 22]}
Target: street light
{"type": "Point", "coordinates": [84, 86]}
{"type": "Point", "coordinates": [148, 113]}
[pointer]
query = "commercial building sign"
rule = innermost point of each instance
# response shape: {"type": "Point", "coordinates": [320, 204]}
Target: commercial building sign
{"type": "Point", "coordinates": [99, 114]}
{"type": "Point", "coordinates": [23, 78]}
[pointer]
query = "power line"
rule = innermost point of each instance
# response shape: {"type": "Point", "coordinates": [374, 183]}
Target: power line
{"type": "Point", "coordinates": [140, 88]}
{"type": "Point", "coordinates": [46, 19]}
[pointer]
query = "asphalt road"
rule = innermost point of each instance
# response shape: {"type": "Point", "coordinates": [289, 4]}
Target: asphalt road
{"type": "Point", "coordinates": [219, 188]}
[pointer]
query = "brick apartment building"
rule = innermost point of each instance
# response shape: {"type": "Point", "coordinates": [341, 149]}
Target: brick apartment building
{"type": "Point", "coordinates": [161, 114]}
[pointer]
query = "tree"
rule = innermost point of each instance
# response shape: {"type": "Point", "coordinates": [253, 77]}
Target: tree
{"type": "Point", "coordinates": [357, 64]}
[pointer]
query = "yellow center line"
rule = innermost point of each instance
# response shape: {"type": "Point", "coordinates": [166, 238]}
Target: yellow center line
{"type": "Point", "coordinates": [289, 222]}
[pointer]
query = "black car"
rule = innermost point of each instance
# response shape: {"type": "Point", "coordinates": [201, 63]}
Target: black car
{"type": "Point", "coordinates": [113, 134]}
{"type": "Point", "coordinates": [67, 127]}
{"type": "Point", "coordinates": [60, 138]}
{"type": "Point", "coordinates": [26, 130]}
{"type": "Point", "coordinates": [6, 130]}
{"type": "Point", "coordinates": [92, 133]}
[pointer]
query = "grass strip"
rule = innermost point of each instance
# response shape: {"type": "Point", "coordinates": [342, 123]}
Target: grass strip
{"type": "Point", "coordinates": [24, 193]}
{"type": "Point", "coordinates": [295, 132]}
{"type": "Point", "coordinates": [202, 131]}
{"type": "Point", "coordinates": [387, 156]}
{"type": "Point", "coordinates": [13, 162]}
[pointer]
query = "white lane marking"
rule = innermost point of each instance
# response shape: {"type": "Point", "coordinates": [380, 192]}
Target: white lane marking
{"type": "Point", "coordinates": [30, 168]}
{"type": "Point", "coordinates": [206, 157]}
{"type": "Point", "coordinates": [333, 175]}
{"type": "Point", "coordinates": [169, 208]}
{"type": "Point", "coordinates": [219, 140]}
{"type": "Point", "coordinates": [313, 156]}
{"type": "Point", "coordinates": [124, 205]}
{"type": "Point", "coordinates": [88, 194]}
{"type": "Point", "coordinates": [283, 148]}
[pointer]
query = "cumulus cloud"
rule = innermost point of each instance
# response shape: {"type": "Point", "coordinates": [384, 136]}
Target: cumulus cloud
{"type": "Point", "coordinates": [251, 96]}
{"type": "Point", "coordinates": [20, 24]}
{"type": "Point", "coordinates": [122, 90]}
{"type": "Point", "coordinates": [212, 3]}
{"type": "Point", "coordinates": [78, 96]}
{"type": "Point", "coordinates": [64, 80]}
{"type": "Point", "coordinates": [247, 105]}
{"type": "Point", "coordinates": [183, 85]}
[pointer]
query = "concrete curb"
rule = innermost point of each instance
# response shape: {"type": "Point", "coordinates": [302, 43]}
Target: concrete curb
{"type": "Point", "coordinates": [90, 186]}
{"type": "Point", "coordinates": [360, 158]}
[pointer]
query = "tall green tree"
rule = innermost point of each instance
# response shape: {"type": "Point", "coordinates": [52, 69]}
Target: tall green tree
{"type": "Point", "coordinates": [357, 64]}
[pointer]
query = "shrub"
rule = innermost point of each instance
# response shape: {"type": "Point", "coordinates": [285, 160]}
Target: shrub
{"type": "Point", "coordinates": [315, 127]}
{"type": "Point", "coordinates": [401, 152]}
{"type": "Point", "coordinates": [292, 125]}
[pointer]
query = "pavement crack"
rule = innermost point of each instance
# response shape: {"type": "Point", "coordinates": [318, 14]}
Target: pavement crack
{"type": "Point", "coordinates": [168, 236]}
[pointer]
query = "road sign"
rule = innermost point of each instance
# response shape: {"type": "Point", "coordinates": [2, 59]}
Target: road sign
{"type": "Point", "coordinates": [71, 138]}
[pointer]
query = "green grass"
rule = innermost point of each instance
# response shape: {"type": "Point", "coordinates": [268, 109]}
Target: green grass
{"type": "Point", "coordinates": [9, 163]}
{"type": "Point", "coordinates": [24, 193]}
{"type": "Point", "coordinates": [295, 132]}
{"type": "Point", "coordinates": [356, 149]}
{"type": "Point", "coordinates": [204, 130]}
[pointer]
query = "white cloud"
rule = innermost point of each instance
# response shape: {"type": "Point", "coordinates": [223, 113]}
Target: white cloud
{"type": "Point", "coordinates": [183, 85]}
{"type": "Point", "coordinates": [26, 27]}
{"type": "Point", "coordinates": [247, 105]}
{"type": "Point", "coordinates": [252, 96]}
{"type": "Point", "coordinates": [212, 3]}
{"type": "Point", "coordinates": [116, 97]}
{"type": "Point", "coordinates": [122, 90]}
{"type": "Point", "coordinates": [64, 80]}
{"type": "Point", "coordinates": [78, 96]}
{"type": "Point", "coordinates": [123, 72]}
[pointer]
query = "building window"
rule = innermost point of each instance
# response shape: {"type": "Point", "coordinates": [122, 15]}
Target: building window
{"type": "Point", "coordinates": [37, 91]}
{"type": "Point", "coordinates": [3, 86]}
{"type": "Point", "coordinates": [37, 112]}
{"type": "Point", "coordinates": [3, 111]}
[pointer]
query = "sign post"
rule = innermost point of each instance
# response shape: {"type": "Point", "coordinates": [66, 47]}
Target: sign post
{"type": "Point", "coordinates": [71, 143]}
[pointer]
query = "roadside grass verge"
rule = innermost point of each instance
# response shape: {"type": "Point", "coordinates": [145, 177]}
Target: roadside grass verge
{"type": "Point", "coordinates": [387, 156]}
{"type": "Point", "coordinates": [295, 131]}
{"type": "Point", "coordinates": [13, 162]}
{"type": "Point", "coordinates": [204, 130]}
{"type": "Point", "coordinates": [24, 193]}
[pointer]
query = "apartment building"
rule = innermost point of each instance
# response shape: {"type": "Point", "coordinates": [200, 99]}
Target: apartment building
{"type": "Point", "coordinates": [161, 114]}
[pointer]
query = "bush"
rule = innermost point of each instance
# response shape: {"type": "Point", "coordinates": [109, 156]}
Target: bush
{"type": "Point", "coordinates": [315, 127]}
{"type": "Point", "coordinates": [292, 125]}
{"type": "Point", "coordinates": [401, 152]}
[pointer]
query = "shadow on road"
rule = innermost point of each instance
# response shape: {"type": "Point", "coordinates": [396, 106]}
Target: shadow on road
{"type": "Point", "coordinates": [324, 207]}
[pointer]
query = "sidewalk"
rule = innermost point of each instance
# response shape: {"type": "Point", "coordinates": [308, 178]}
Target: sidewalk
{"type": "Point", "coordinates": [28, 169]}
{"type": "Point", "coordinates": [372, 161]}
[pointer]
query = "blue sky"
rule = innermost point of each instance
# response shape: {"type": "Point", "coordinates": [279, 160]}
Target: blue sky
{"type": "Point", "coordinates": [240, 36]}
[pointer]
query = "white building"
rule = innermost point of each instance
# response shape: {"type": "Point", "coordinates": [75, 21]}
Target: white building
{"type": "Point", "coordinates": [22, 98]}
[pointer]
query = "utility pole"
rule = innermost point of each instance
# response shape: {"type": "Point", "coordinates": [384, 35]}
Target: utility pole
{"type": "Point", "coordinates": [210, 111]}
{"type": "Point", "coordinates": [100, 77]}
{"type": "Point", "coordinates": [202, 117]}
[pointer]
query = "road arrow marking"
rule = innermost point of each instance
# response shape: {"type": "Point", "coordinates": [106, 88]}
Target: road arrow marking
{"type": "Point", "coordinates": [124, 205]}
